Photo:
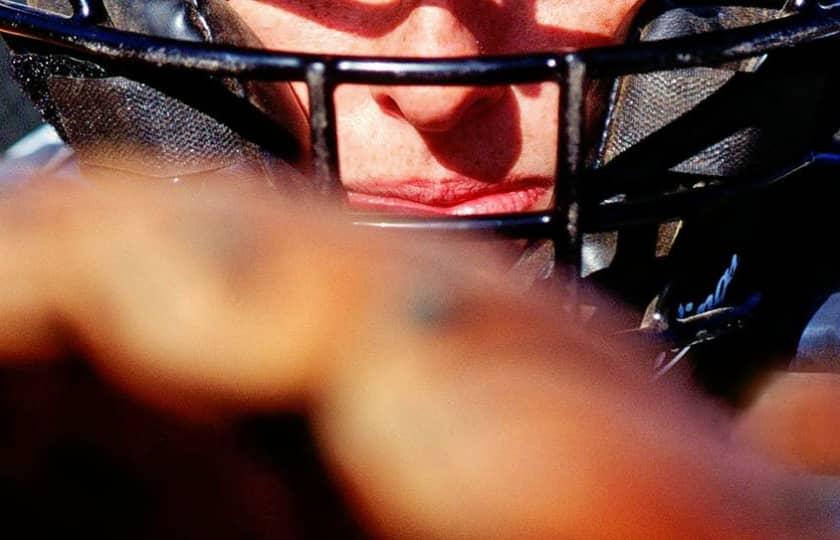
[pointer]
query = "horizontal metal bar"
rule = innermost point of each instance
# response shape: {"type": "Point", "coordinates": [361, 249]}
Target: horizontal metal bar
{"type": "Point", "coordinates": [714, 47]}
{"type": "Point", "coordinates": [610, 216]}
{"type": "Point", "coordinates": [461, 71]}
{"type": "Point", "coordinates": [106, 44]}
{"type": "Point", "coordinates": [531, 225]}
{"type": "Point", "coordinates": [118, 46]}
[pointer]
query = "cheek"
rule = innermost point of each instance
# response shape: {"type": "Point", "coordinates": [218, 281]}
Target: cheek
{"type": "Point", "coordinates": [539, 106]}
{"type": "Point", "coordinates": [591, 23]}
{"type": "Point", "coordinates": [284, 30]}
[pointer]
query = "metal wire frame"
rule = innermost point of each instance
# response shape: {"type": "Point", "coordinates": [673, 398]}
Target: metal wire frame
{"type": "Point", "coordinates": [566, 222]}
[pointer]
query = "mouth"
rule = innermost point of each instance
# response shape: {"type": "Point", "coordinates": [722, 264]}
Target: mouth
{"type": "Point", "coordinates": [451, 197]}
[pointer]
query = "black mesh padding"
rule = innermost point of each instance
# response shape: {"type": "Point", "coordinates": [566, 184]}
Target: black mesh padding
{"type": "Point", "coordinates": [34, 71]}
{"type": "Point", "coordinates": [122, 124]}
{"type": "Point", "coordinates": [164, 125]}
{"type": "Point", "coordinates": [645, 104]}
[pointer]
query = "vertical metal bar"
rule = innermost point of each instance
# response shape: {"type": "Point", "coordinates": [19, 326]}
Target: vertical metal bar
{"type": "Point", "coordinates": [89, 11]}
{"type": "Point", "coordinates": [569, 237]}
{"type": "Point", "coordinates": [322, 125]}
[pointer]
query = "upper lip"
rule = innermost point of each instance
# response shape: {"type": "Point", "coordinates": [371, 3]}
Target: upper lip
{"type": "Point", "coordinates": [445, 192]}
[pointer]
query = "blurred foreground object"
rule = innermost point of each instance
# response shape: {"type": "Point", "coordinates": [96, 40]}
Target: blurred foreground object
{"type": "Point", "coordinates": [445, 402]}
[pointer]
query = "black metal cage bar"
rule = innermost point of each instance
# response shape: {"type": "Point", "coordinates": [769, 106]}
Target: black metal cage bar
{"type": "Point", "coordinates": [320, 81]}
{"type": "Point", "coordinates": [88, 11]}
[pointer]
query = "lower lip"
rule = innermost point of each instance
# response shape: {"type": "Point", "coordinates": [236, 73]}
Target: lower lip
{"type": "Point", "coordinates": [512, 202]}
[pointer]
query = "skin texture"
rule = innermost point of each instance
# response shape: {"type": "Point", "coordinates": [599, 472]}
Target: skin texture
{"type": "Point", "coordinates": [447, 404]}
{"type": "Point", "coordinates": [435, 145]}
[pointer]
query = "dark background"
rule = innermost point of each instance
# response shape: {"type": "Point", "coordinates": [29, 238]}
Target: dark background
{"type": "Point", "coordinates": [17, 116]}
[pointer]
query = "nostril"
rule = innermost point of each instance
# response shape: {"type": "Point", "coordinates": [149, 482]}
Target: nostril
{"type": "Point", "coordinates": [389, 105]}
{"type": "Point", "coordinates": [434, 108]}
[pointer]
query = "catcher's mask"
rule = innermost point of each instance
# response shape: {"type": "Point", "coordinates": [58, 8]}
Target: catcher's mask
{"type": "Point", "coordinates": [710, 103]}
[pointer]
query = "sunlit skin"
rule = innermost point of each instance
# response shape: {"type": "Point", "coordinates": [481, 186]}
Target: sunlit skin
{"type": "Point", "coordinates": [443, 150]}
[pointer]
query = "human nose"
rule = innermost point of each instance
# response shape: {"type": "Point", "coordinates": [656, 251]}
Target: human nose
{"type": "Point", "coordinates": [434, 32]}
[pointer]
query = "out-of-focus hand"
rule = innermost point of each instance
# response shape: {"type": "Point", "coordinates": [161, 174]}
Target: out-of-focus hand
{"type": "Point", "coordinates": [794, 419]}
{"type": "Point", "coordinates": [446, 403]}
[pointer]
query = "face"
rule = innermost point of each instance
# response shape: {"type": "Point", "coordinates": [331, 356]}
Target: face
{"type": "Point", "coordinates": [443, 150]}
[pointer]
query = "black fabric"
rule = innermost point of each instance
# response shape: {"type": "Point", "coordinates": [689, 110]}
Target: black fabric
{"type": "Point", "coordinates": [17, 115]}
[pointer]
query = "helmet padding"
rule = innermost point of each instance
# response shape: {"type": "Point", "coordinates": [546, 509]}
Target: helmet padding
{"type": "Point", "coordinates": [166, 125]}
